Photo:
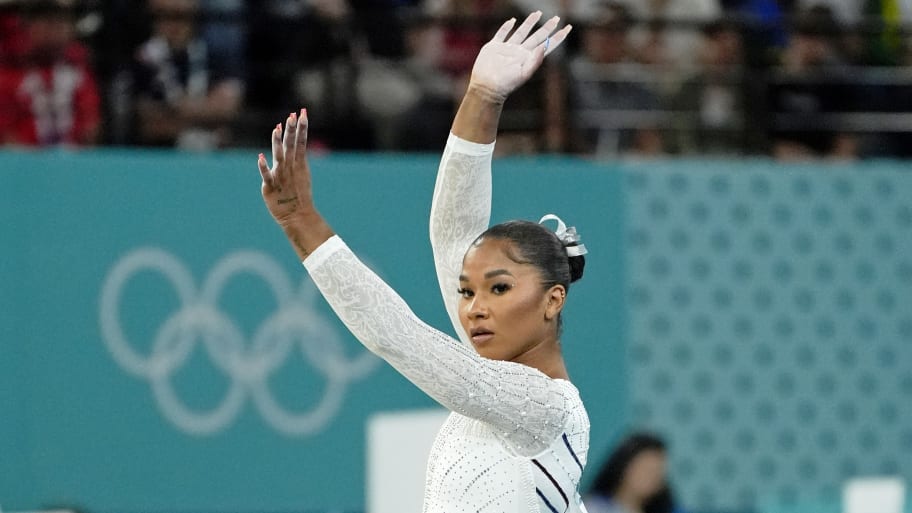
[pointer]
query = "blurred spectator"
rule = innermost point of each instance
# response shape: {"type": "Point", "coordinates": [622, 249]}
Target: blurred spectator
{"type": "Point", "coordinates": [470, 25]}
{"type": "Point", "coordinates": [810, 84]}
{"type": "Point", "coordinates": [673, 35]}
{"type": "Point", "coordinates": [186, 94]}
{"type": "Point", "coordinates": [884, 44]}
{"type": "Point", "coordinates": [308, 50]}
{"type": "Point", "coordinates": [12, 34]}
{"type": "Point", "coordinates": [633, 479]}
{"type": "Point", "coordinates": [225, 30]}
{"type": "Point", "coordinates": [572, 11]}
{"type": "Point", "coordinates": [713, 100]}
{"type": "Point", "coordinates": [847, 12]}
{"type": "Point", "coordinates": [764, 28]}
{"type": "Point", "coordinates": [383, 24]}
{"type": "Point", "coordinates": [125, 28]}
{"type": "Point", "coordinates": [877, 23]}
{"type": "Point", "coordinates": [611, 97]}
{"type": "Point", "coordinates": [48, 94]}
{"type": "Point", "coordinates": [402, 88]}
{"type": "Point", "coordinates": [425, 124]}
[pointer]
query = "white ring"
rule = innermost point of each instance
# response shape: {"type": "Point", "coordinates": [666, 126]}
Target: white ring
{"type": "Point", "coordinates": [248, 367]}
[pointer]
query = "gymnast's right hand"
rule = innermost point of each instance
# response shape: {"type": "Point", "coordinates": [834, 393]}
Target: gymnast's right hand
{"type": "Point", "coordinates": [504, 64]}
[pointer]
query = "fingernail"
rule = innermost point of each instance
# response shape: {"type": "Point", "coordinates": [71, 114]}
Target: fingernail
{"type": "Point", "coordinates": [262, 157]}
{"type": "Point", "coordinates": [304, 113]}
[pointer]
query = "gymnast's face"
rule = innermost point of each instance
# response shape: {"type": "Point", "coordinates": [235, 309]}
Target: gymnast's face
{"type": "Point", "coordinates": [504, 309]}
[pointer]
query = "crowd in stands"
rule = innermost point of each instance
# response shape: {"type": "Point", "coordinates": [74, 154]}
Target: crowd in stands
{"type": "Point", "coordinates": [799, 79]}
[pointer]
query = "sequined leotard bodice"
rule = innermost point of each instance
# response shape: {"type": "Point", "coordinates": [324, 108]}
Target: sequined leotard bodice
{"type": "Point", "coordinates": [517, 440]}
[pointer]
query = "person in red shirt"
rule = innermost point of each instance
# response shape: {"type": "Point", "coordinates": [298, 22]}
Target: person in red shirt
{"type": "Point", "coordinates": [48, 94]}
{"type": "Point", "coordinates": [11, 34]}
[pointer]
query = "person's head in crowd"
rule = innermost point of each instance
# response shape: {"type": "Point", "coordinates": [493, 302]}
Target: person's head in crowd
{"type": "Point", "coordinates": [651, 48]}
{"type": "Point", "coordinates": [50, 29]}
{"type": "Point", "coordinates": [423, 39]}
{"type": "Point", "coordinates": [331, 10]}
{"type": "Point", "coordinates": [812, 42]}
{"type": "Point", "coordinates": [604, 39]}
{"type": "Point", "coordinates": [722, 45]}
{"type": "Point", "coordinates": [174, 20]}
{"type": "Point", "coordinates": [633, 477]}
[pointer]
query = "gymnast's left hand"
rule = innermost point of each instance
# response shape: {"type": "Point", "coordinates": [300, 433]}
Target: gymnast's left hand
{"type": "Point", "coordinates": [287, 185]}
{"type": "Point", "coordinates": [287, 190]}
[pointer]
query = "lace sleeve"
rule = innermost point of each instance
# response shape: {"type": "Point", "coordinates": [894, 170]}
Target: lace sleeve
{"type": "Point", "coordinates": [527, 408]}
{"type": "Point", "coordinates": [460, 211]}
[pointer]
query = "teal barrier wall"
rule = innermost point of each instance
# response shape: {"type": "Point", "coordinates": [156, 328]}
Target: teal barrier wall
{"type": "Point", "coordinates": [162, 350]}
{"type": "Point", "coordinates": [770, 326]}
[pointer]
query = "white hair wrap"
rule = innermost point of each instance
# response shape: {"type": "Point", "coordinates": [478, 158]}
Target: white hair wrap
{"type": "Point", "coordinates": [567, 236]}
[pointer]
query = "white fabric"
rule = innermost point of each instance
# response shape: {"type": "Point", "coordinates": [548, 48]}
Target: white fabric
{"type": "Point", "coordinates": [460, 211]}
{"type": "Point", "coordinates": [517, 440]}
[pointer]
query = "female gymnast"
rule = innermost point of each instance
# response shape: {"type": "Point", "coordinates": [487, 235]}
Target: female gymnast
{"type": "Point", "coordinates": [518, 435]}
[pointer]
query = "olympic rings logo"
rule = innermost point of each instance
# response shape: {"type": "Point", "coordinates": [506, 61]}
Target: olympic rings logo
{"type": "Point", "coordinates": [247, 366]}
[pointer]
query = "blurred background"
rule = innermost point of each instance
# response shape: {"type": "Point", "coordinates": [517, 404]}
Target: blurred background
{"type": "Point", "coordinates": [790, 79]}
{"type": "Point", "coordinates": [742, 337]}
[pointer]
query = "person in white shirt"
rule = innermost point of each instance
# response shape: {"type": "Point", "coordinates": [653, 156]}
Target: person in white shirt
{"type": "Point", "coordinates": [518, 435]}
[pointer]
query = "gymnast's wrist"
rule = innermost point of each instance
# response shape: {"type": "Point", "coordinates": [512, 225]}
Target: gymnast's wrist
{"type": "Point", "coordinates": [486, 94]}
{"type": "Point", "coordinates": [306, 231]}
{"type": "Point", "coordinates": [300, 219]}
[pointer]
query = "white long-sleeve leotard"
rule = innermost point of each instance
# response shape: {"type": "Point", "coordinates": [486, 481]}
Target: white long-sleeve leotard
{"type": "Point", "coordinates": [517, 440]}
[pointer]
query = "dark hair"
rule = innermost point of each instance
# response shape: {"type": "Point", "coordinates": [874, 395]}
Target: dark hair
{"type": "Point", "coordinates": [539, 246]}
{"type": "Point", "coordinates": [817, 20]}
{"type": "Point", "coordinates": [612, 472]}
{"type": "Point", "coordinates": [719, 26]}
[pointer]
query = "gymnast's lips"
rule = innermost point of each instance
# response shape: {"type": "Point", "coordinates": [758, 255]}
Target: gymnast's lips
{"type": "Point", "coordinates": [480, 335]}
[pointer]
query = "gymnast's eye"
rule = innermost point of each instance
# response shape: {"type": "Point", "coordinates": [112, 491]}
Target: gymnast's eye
{"type": "Point", "coordinates": [500, 288]}
{"type": "Point", "coordinates": [465, 293]}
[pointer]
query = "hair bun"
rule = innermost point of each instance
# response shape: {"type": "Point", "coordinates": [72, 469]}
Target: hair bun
{"type": "Point", "coordinates": [577, 264]}
{"type": "Point", "coordinates": [568, 236]}
{"type": "Point", "coordinates": [570, 240]}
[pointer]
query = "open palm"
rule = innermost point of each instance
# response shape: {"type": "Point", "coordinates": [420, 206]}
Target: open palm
{"type": "Point", "coordinates": [504, 64]}
{"type": "Point", "coordinates": [287, 185]}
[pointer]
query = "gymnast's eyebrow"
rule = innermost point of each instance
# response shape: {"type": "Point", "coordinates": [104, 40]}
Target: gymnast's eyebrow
{"type": "Point", "coordinates": [488, 275]}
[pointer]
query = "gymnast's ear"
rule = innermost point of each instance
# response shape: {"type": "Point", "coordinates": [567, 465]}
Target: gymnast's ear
{"type": "Point", "coordinates": [556, 295]}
